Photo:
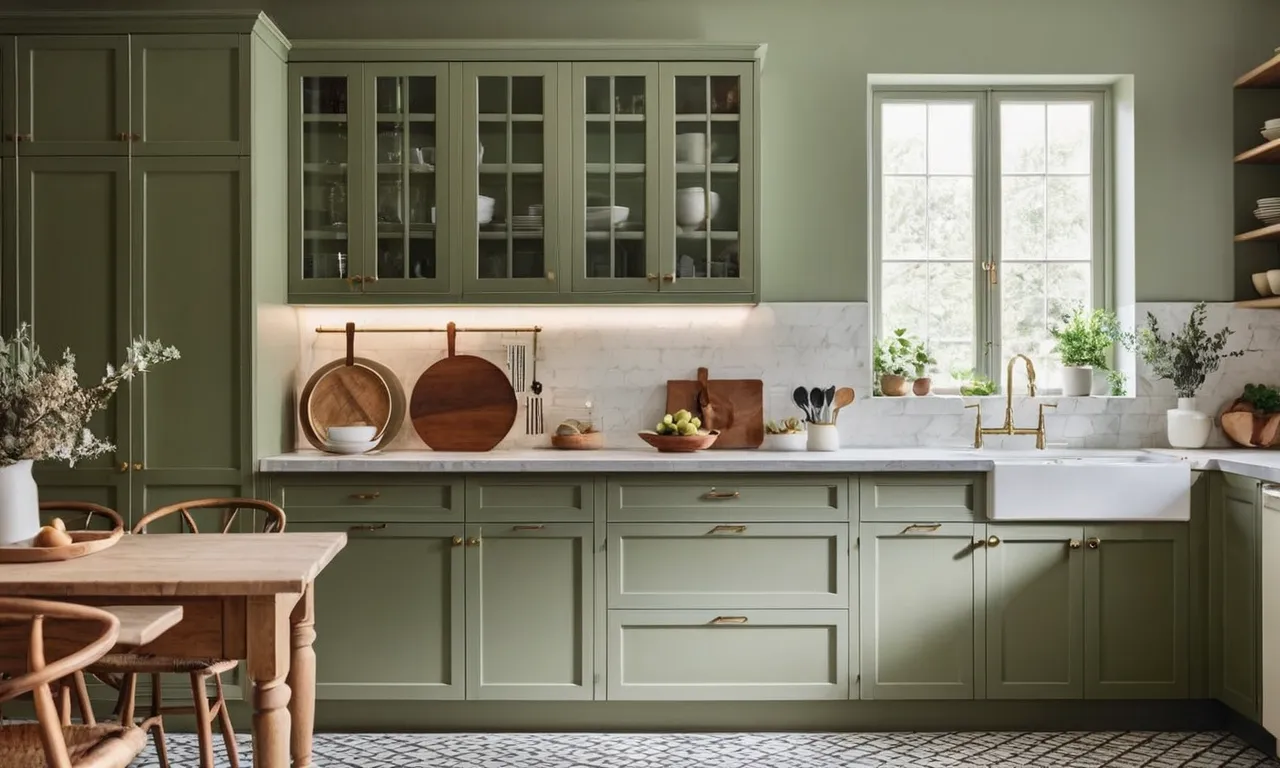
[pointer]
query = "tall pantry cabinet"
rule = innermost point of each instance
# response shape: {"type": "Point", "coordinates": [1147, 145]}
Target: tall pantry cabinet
{"type": "Point", "coordinates": [144, 165]}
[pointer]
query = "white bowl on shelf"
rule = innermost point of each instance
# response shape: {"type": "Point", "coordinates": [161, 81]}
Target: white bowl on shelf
{"type": "Point", "coordinates": [351, 433]}
{"type": "Point", "coordinates": [484, 209]}
{"type": "Point", "coordinates": [349, 448]}
{"type": "Point", "coordinates": [1273, 280]}
{"type": "Point", "coordinates": [691, 206]}
{"type": "Point", "coordinates": [1261, 285]}
{"type": "Point", "coordinates": [1271, 134]}
{"type": "Point", "coordinates": [606, 216]}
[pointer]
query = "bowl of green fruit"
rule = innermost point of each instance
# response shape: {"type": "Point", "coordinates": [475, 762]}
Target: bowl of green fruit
{"type": "Point", "coordinates": [680, 432]}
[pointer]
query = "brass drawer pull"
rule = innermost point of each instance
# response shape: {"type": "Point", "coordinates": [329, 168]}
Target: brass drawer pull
{"type": "Point", "coordinates": [1094, 542]}
{"type": "Point", "coordinates": [714, 495]}
{"type": "Point", "coordinates": [124, 467]}
{"type": "Point", "coordinates": [528, 527]}
{"type": "Point", "coordinates": [921, 528]}
{"type": "Point", "coordinates": [366, 496]}
{"type": "Point", "coordinates": [729, 620]}
{"type": "Point", "coordinates": [1073, 544]}
{"type": "Point", "coordinates": [456, 542]}
{"type": "Point", "coordinates": [729, 529]}
{"type": "Point", "coordinates": [371, 527]}
{"type": "Point", "coordinates": [993, 541]}
{"type": "Point", "coordinates": [473, 542]}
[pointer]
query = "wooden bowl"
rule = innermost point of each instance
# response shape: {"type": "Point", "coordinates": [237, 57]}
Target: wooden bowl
{"type": "Point", "coordinates": [589, 441]}
{"type": "Point", "coordinates": [82, 543]}
{"type": "Point", "coordinates": [379, 402]}
{"type": "Point", "coordinates": [680, 443]}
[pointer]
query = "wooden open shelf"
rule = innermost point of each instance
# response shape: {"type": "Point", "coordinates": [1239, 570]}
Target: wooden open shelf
{"type": "Point", "coordinates": [1270, 302]}
{"type": "Point", "coordinates": [1265, 75]}
{"type": "Point", "coordinates": [1268, 153]}
{"type": "Point", "coordinates": [1266, 233]}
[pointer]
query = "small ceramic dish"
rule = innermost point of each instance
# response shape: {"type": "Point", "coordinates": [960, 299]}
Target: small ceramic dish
{"type": "Point", "coordinates": [350, 448]}
{"type": "Point", "coordinates": [353, 433]}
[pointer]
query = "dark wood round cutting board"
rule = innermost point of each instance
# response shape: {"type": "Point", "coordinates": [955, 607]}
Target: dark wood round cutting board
{"type": "Point", "coordinates": [462, 403]}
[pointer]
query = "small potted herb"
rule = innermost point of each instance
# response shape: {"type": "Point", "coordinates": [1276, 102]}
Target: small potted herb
{"type": "Point", "coordinates": [974, 384]}
{"type": "Point", "coordinates": [898, 360]}
{"type": "Point", "coordinates": [1253, 419]}
{"type": "Point", "coordinates": [1185, 358]}
{"type": "Point", "coordinates": [785, 435]}
{"type": "Point", "coordinates": [1083, 341]}
{"type": "Point", "coordinates": [1117, 383]}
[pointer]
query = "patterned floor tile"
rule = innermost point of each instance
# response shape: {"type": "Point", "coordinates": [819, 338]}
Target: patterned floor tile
{"type": "Point", "coordinates": [1120, 749]}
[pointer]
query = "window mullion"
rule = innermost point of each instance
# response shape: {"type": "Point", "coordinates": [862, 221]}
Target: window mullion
{"type": "Point", "coordinates": [989, 220]}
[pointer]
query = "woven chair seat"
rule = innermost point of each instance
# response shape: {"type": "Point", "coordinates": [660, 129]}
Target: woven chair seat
{"type": "Point", "coordinates": [142, 663]}
{"type": "Point", "coordinates": [89, 746]}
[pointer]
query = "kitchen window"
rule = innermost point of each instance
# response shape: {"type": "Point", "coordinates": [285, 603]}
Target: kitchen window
{"type": "Point", "coordinates": [988, 222]}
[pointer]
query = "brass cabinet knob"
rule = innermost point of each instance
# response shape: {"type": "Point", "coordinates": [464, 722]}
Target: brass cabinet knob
{"type": "Point", "coordinates": [993, 541]}
{"type": "Point", "coordinates": [473, 542]}
{"type": "Point", "coordinates": [456, 542]}
{"type": "Point", "coordinates": [366, 496]}
{"type": "Point", "coordinates": [1094, 542]}
{"type": "Point", "coordinates": [651, 277]}
{"type": "Point", "coordinates": [135, 137]}
{"type": "Point", "coordinates": [669, 277]}
{"type": "Point", "coordinates": [551, 277]}
{"type": "Point", "coordinates": [124, 467]}
{"type": "Point", "coordinates": [25, 137]}
{"type": "Point", "coordinates": [369, 279]}
{"type": "Point", "coordinates": [122, 136]}
{"type": "Point", "coordinates": [137, 465]}
{"type": "Point", "coordinates": [1074, 544]}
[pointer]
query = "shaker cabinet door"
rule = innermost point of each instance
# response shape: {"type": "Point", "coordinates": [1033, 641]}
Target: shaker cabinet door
{"type": "Point", "coordinates": [190, 94]}
{"type": "Point", "coordinates": [73, 95]}
{"type": "Point", "coordinates": [8, 97]}
{"type": "Point", "coordinates": [1235, 599]}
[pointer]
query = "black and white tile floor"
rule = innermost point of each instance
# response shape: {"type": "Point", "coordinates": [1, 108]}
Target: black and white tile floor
{"type": "Point", "coordinates": [1124, 749]}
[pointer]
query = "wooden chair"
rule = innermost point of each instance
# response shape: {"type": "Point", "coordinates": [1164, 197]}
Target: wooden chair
{"type": "Point", "coordinates": [127, 666]}
{"type": "Point", "coordinates": [46, 743]}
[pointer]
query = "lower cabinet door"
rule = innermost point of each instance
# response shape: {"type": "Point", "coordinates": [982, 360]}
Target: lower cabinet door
{"type": "Point", "coordinates": [1035, 612]}
{"type": "Point", "coordinates": [530, 611]}
{"type": "Point", "coordinates": [921, 606]}
{"type": "Point", "coordinates": [389, 621]}
{"type": "Point", "coordinates": [728, 655]}
{"type": "Point", "coordinates": [1235, 594]}
{"type": "Point", "coordinates": [1135, 618]}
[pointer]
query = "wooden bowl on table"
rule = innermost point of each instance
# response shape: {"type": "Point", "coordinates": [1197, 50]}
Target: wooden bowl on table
{"type": "Point", "coordinates": [680, 443]}
{"type": "Point", "coordinates": [586, 441]}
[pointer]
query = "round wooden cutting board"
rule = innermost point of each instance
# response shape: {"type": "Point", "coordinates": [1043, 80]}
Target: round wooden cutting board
{"type": "Point", "coordinates": [365, 392]}
{"type": "Point", "coordinates": [462, 403]}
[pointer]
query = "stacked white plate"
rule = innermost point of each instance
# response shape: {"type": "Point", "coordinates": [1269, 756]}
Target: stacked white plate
{"type": "Point", "coordinates": [526, 223]}
{"type": "Point", "coordinates": [1268, 211]}
{"type": "Point", "coordinates": [1271, 129]}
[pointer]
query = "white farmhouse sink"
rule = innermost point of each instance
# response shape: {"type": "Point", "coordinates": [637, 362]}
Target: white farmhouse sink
{"type": "Point", "coordinates": [1110, 486]}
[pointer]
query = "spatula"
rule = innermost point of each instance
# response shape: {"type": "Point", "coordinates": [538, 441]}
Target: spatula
{"type": "Point", "coordinates": [801, 398]}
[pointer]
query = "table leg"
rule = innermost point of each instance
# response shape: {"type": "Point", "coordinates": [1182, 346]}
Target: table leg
{"type": "Point", "coordinates": [302, 679]}
{"type": "Point", "coordinates": [268, 651]}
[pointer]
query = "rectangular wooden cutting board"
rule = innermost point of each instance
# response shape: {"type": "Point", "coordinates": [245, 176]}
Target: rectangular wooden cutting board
{"type": "Point", "coordinates": [733, 406]}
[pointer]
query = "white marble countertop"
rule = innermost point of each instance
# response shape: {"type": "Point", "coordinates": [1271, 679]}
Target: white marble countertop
{"type": "Point", "coordinates": [1263, 465]}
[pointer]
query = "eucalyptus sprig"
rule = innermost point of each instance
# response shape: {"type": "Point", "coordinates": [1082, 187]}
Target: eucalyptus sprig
{"type": "Point", "coordinates": [1185, 357]}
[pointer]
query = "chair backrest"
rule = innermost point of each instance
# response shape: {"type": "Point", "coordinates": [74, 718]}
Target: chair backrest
{"type": "Point", "coordinates": [273, 522]}
{"type": "Point", "coordinates": [39, 673]}
{"type": "Point", "coordinates": [81, 515]}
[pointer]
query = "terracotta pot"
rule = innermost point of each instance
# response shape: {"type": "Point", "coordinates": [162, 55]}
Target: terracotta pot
{"type": "Point", "coordinates": [893, 386]}
{"type": "Point", "coordinates": [1246, 427]}
{"type": "Point", "coordinates": [921, 387]}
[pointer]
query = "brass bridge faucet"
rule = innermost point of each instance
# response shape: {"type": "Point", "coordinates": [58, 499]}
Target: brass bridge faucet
{"type": "Point", "coordinates": [1007, 428]}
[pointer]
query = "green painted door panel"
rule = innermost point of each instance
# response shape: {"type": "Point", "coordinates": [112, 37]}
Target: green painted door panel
{"type": "Point", "coordinates": [761, 565]}
{"type": "Point", "coordinates": [389, 612]}
{"type": "Point", "coordinates": [530, 611]}
{"type": "Point", "coordinates": [8, 245]}
{"type": "Point", "coordinates": [921, 498]}
{"type": "Point", "coordinates": [1136, 597]}
{"type": "Point", "coordinates": [1035, 612]}
{"type": "Point", "coordinates": [384, 497]}
{"type": "Point", "coordinates": [73, 94]}
{"type": "Point", "coordinates": [8, 96]}
{"type": "Point", "coordinates": [727, 498]}
{"type": "Point", "coordinates": [190, 256]}
{"type": "Point", "coordinates": [190, 94]}
{"type": "Point", "coordinates": [1235, 594]}
{"type": "Point", "coordinates": [530, 498]}
{"type": "Point", "coordinates": [73, 285]}
{"type": "Point", "coordinates": [727, 655]}
{"type": "Point", "coordinates": [922, 610]}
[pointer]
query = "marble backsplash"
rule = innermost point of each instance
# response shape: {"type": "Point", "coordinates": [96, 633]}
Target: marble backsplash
{"type": "Point", "coordinates": [619, 359]}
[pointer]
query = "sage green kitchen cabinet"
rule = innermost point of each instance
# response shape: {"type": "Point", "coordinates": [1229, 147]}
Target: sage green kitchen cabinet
{"type": "Point", "coordinates": [190, 94]}
{"type": "Point", "coordinates": [921, 498]}
{"type": "Point", "coordinates": [8, 97]}
{"type": "Point", "coordinates": [73, 95]}
{"type": "Point", "coordinates": [389, 609]}
{"type": "Point", "coordinates": [733, 499]}
{"type": "Point", "coordinates": [728, 654]}
{"type": "Point", "coordinates": [530, 611]}
{"type": "Point", "coordinates": [530, 499]}
{"type": "Point", "coordinates": [1035, 611]}
{"type": "Point", "coordinates": [1136, 597]}
{"type": "Point", "coordinates": [921, 604]}
{"type": "Point", "coordinates": [1235, 593]}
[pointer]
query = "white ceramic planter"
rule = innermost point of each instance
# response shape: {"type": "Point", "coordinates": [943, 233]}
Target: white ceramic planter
{"type": "Point", "coordinates": [1077, 381]}
{"type": "Point", "coordinates": [794, 441]}
{"type": "Point", "coordinates": [19, 503]}
{"type": "Point", "coordinates": [1188, 428]}
{"type": "Point", "coordinates": [824, 437]}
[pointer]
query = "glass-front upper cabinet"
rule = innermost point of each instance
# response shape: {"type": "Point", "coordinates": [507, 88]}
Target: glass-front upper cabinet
{"type": "Point", "coordinates": [324, 203]}
{"type": "Point", "coordinates": [407, 150]}
{"type": "Point", "coordinates": [709, 193]}
{"type": "Point", "coordinates": [509, 161]}
{"type": "Point", "coordinates": [616, 193]}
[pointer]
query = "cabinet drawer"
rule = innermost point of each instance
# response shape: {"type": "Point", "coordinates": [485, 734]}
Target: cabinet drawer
{"type": "Point", "coordinates": [922, 498]}
{"type": "Point", "coordinates": [729, 654]}
{"type": "Point", "coordinates": [427, 502]}
{"type": "Point", "coordinates": [731, 498]}
{"type": "Point", "coordinates": [757, 565]}
{"type": "Point", "coordinates": [520, 499]}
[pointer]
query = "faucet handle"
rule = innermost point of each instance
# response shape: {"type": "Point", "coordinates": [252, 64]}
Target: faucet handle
{"type": "Point", "coordinates": [977, 426]}
{"type": "Point", "coordinates": [1046, 405]}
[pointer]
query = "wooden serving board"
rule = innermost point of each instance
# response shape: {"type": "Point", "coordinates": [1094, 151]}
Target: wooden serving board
{"type": "Point", "coordinates": [82, 543]}
{"type": "Point", "coordinates": [462, 403]}
{"type": "Point", "coordinates": [362, 391]}
{"type": "Point", "coordinates": [735, 407]}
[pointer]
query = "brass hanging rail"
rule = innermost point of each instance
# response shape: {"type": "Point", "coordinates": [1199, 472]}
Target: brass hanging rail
{"type": "Point", "coordinates": [525, 329]}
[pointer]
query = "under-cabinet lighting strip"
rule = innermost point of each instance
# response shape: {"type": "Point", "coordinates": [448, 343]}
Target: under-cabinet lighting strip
{"type": "Point", "coordinates": [525, 329]}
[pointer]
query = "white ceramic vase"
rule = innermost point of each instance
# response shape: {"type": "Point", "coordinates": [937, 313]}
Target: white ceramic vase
{"type": "Point", "coordinates": [1188, 428]}
{"type": "Point", "coordinates": [823, 437]}
{"type": "Point", "coordinates": [1077, 381]}
{"type": "Point", "coordinates": [19, 503]}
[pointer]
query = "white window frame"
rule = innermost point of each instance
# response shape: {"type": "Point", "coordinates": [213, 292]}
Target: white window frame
{"type": "Point", "coordinates": [990, 357]}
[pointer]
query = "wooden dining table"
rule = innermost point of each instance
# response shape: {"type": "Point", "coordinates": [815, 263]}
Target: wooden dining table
{"type": "Point", "coordinates": [245, 596]}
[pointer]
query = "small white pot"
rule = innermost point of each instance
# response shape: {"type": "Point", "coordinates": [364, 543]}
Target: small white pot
{"type": "Point", "coordinates": [794, 441]}
{"type": "Point", "coordinates": [1188, 428]}
{"type": "Point", "coordinates": [19, 503]}
{"type": "Point", "coordinates": [1077, 381]}
{"type": "Point", "coordinates": [824, 437]}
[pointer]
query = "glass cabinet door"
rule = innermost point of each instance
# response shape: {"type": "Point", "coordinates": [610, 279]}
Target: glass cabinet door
{"type": "Point", "coordinates": [509, 196]}
{"type": "Point", "coordinates": [408, 202]}
{"type": "Point", "coordinates": [615, 188]}
{"type": "Point", "coordinates": [324, 208]}
{"type": "Point", "coordinates": [709, 149]}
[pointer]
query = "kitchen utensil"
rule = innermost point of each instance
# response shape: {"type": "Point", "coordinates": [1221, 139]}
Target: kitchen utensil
{"type": "Point", "coordinates": [844, 396]}
{"type": "Point", "coordinates": [353, 433]}
{"type": "Point", "coordinates": [801, 398]}
{"type": "Point", "coordinates": [817, 399]}
{"type": "Point", "coordinates": [1260, 284]}
{"type": "Point", "coordinates": [516, 355]}
{"type": "Point", "coordinates": [350, 447]}
{"type": "Point", "coordinates": [680, 443]}
{"type": "Point", "coordinates": [462, 403]}
{"type": "Point", "coordinates": [82, 543]}
{"type": "Point", "coordinates": [733, 407]}
{"type": "Point", "coordinates": [364, 392]}
{"type": "Point", "coordinates": [533, 403]}
{"type": "Point", "coordinates": [829, 396]}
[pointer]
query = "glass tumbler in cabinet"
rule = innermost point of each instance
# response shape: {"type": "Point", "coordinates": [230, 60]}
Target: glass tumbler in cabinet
{"type": "Point", "coordinates": [710, 146]}
{"type": "Point", "coordinates": [323, 136]}
{"type": "Point", "coordinates": [511, 133]}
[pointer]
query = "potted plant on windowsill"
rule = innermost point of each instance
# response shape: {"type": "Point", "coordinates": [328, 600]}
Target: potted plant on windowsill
{"type": "Point", "coordinates": [900, 360]}
{"type": "Point", "coordinates": [1083, 341]}
{"type": "Point", "coordinates": [1185, 358]}
{"type": "Point", "coordinates": [44, 415]}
